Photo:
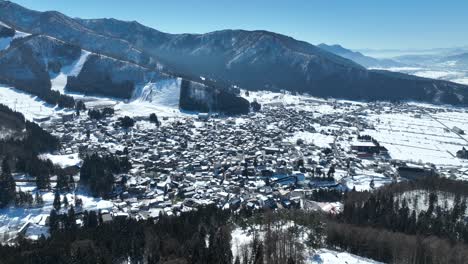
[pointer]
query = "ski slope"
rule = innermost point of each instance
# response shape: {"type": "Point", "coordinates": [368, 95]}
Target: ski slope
{"type": "Point", "coordinates": [30, 106]}
{"type": "Point", "coordinates": [59, 81]}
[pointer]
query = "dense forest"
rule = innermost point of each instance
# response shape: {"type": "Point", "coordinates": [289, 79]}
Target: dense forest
{"type": "Point", "coordinates": [383, 226]}
{"type": "Point", "coordinates": [201, 236]}
{"type": "Point", "coordinates": [19, 151]}
{"type": "Point", "coordinates": [97, 172]}
{"type": "Point", "coordinates": [281, 236]}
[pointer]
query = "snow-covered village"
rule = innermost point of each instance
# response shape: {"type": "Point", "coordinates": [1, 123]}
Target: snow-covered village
{"type": "Point", "coordinates": [120, 143]}
{"type": "Point", "coordinates": [291, 153]}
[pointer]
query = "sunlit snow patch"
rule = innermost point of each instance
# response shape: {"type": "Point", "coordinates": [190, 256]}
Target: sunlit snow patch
{"type": "Point", "coordinates": [164, 92]}
{"type": "Point", "coordinates": [62, 160]}
{"type": "Point", "coordinates": [30, 106]}
{"type": "Point", "coordinates": [59, 81]}
{"type": "Point", "coordinates": [327, 256]}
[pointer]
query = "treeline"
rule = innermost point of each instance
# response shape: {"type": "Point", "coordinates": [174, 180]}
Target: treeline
{"type": "Point", "coordinates": [97, 172]}
{"type": "Point", "coordinates": [99, 114]}
{"type": "Point", "coordinates": [385, 226]}
{"type": "Point", "coordinates": [9, 194]}
{"type": "Point", "coordinates": [201, 236]}
{"type": "Point", "coordinates": [20, 151]}
{"type": "Point", "coordinates": [282, 236]}
{"type": "Point", "coordinates": [394, 247]}
{"type": "Point", "coordinates": [56, 98]}
{"type": "Point", "coordinates": [429, 184]}
{"type": "Point", "coordinates": [385, 211]}
{"type": "Point", "coordinates": [326, 195]}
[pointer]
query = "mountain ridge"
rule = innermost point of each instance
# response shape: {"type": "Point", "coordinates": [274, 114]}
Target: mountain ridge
{"type": "Point", "coordinates": [358, 57]}
{"type": "Point", "coordinates": [253, 60]}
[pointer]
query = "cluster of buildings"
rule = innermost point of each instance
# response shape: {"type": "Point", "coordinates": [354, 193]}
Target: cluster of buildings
{"type": "Point", "coordinates": [259, 160]}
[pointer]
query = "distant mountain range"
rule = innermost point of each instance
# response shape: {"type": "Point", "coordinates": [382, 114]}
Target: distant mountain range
{"type": "Point", "coordinates": [366, 61]}
{"type": "Point", "coordinates": [127, 54]}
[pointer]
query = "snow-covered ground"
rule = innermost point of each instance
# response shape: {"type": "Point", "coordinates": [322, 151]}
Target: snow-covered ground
{"type": "Point", "coordinates": [164, 92]}
{"type": "Point", "coordinates": [418, 200]}
{"type": "Point", "coordinates": [320, 256]}
{"type": "Point", "coordinates": [59, 81]}
{"type": "Point", "coordinates": [446, 71]}
{"type": "Point", "coordinates": [13, 218]}
{"type": "Point", "coordinates": [320, 140]}
{"type": "Point", "coordinates": [63, 160]}
{"type": "Point", "coordinates": [362, 181]}
{"type": "Point", "coordinates": [30, 106]}
{"type": "Point", "coordinates": [327, 256]}
{"type": "Point", "coordinates": [420, 139]}
{"type": "Point", "coordinates": [5, 42]}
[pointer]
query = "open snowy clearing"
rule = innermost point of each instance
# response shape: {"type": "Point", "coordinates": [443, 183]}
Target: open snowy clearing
{"type": "Point", "coordinates": [327, 256]}
{"type": "Point", "coordinates": [320, 140]}
{"type": "Point", "coordinates": [321, 256]}
{"type": "Point", "coordinates": [13, 218]}
{"type": "Point", "coordinates": [62, 160]}
{"type": "Point", "coordinates": [420, 139]}
{"type": "Point", "coordinates": [30, 106]}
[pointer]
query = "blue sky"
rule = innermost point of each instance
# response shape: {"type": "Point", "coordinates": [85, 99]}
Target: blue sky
{"type": "Point", "coordinates": [357, 24]}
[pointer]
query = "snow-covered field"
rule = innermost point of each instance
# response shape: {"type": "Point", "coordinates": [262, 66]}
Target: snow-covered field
{"type": "Point", "coordinates": [63, 160]}
{"type": "Point", "coordinates": [320, 140]}
{"type": "Point", "coordinates": [30, 106]}
{"type": "Point", "coordinates": [13, 218]}
{"type": "Point", "coordinates": [420, 139]}
{"type": "Point", "coordinates": [362, 182]}
{"type": "Point", "coordinates": [442, 71]}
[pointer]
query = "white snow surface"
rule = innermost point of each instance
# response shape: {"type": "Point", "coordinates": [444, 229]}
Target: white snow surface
{"type": "Point", "coordinates": [20, 34]}
{"type": "Point", "coordinates": [12, 218]}
{"type": "Point", "coordinates": [4, 25]}
{"type": "Point", "coordinates": [164, 92]}
{"type": "Point", "coordinates": [62, 160]}
{"type": "Point", "coordinates": [320, 140]}
{"type": "Point", "coordinates": [327, 256]}
{"type": "Point", "coordinates": [5, 42]}
{"type": "Point", "coordinates": [59, 81]}
{"type": "Point", "coordinates": [321, 256]}
{"type": "Point", "coordinates": [30, 106]}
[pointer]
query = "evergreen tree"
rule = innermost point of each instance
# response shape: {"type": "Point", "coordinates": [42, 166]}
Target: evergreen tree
{"type": "Point", "coordinates": [57, 204]}
{"type": "Point", "coordinates": [38, 199]}
{"type": "Point", "coordinates": [154, 119]}
{"type": "Point", "coordinates": [71, 219]}
{"type": "Point", "coordinates": [93, 219]}
{"type": "Point", "coordinates": [65, 201]}
{"type": "Point", "coordinates": [53, 220]}
{"type": "Point", "coordinates": [126, 122]}
{"type": "Point", "coordinates": [43, 180]}
{"type": "Point", "coordinates": [7, 185]}
{"type": "Point", "coordinates": [259, 254]}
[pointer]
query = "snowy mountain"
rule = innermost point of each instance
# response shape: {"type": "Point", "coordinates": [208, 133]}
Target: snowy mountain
{"type": "Point", "coordinates": [366, 61]}
{"type": "Point", "coordinates": [253, 60]}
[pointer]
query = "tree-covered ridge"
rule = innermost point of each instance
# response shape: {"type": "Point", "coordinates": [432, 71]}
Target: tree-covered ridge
{"type": "Point", "coordinates": [19, 153]}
